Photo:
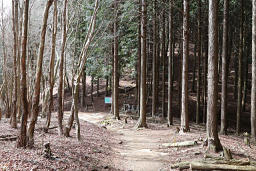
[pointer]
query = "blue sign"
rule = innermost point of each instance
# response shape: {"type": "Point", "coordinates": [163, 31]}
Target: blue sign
{"type": "Point", "coordinates": [108, 100]}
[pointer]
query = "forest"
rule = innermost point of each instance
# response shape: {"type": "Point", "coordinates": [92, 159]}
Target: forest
{"type": "Point", "coordinates": [133, 85]}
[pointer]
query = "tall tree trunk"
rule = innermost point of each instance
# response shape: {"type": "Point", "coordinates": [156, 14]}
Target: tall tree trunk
{"type": "Point", "coordinates": [4, 66]}
{"type": "Point", "coordinates": [116, 63]}
{"type": "Point", "coordinates": [163, 63]}
{"type": "Point", "coordinates": [184, 89]}
{"type": "Point", "coordinates": [142, 120]}
{"type": "Point", "coordinates": [157, 59]}
{"type": "Point", "coordinates": [194, 68]}
{"type": "Point", "coordinates": [199, 49]}
{"type": "Point", "coordinates": [212, 133]}
{"type": "Point", "coordinates": [245, 81]}
{"type": "Point", "coordinates": [170, 57]}
{"type": "Point", "coordinates": [92, 81]}
{"type": "Point", "coordinates": [15, 42]}
{"type": "Point", "coordinates": [61, 78]}
{"type": "Point", "coordinates": [139, 56]}
{"type": "Point", "coordinates": [223, 129]}
{"type": "Point", "coordinates": [253, 90]}
{"type": "Point", "coordinates": [22, 140]}
{"type": "Point", "coordinates": [78, 74]}
{"type": "Point", "coordinates": [180, 72]}
{"type": "Point", "coordinates": [18, 62]}
{"type": "Point", "coordinates": [36, 94]}
{"type": "Point", "coordinates": [98, 86]}
{"type": "Point", "coordinates": [51, 73]}
{"type": "Point", "coordinates": [236, 76]}
{"type": "Point", "coordinates": [83, 95]}
{"type": "Point", "coordinates": [205, 81]}
{"type": "Point", "coordinates": [240, 75]}
{"type": "Point", "coordinates": [154, 72]}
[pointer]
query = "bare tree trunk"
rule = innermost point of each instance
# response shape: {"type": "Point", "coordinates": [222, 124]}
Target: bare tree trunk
{"type": "Point", "coordinates": [154, 72]}
{"type": "Point", "coordinates": [36, 94]}
{"type": "Point", "coordinates": [212, 133]}
{"type": "Point", "coordinates": [240, 63]}
{"type": "Point", "coordinates": [78, 74]}
{"type": "Point", "coordinates": [51, 73]}
{"type": "Point", "coordinates": [170, 78]}
{"type": "Point", "coordinates": [253, 90]}
{"type": "Point", "coordinates": [205, 83]}
{"type": "Point", "coordinates": [18, 62]}
{"type": "Point", "coordinates": [75, 104]}
{"type": "Point", "coordinates": [199, 49]}
{"type": "Point", "coordinates": [223, 129]}
{"type": "Point", "coordinates": [61, 78]}
{"type": "Point", "coordinates": [68, 127]}
{"type": "Point", "coordinates": [245, 82]}
{"type": "Point", "coordinates": [194, 68]}
{"type": "Point", "coordinates": [184, 97]}
{"type": "Point", "coordinates": [157, 59]}
{"type": "Point", "coordinates": [139, 56]}
{"type": "Point", "coordinates": [163, 55]}
{"type": "Point", "coordinates": [4, 66]}
{"type": "Point", "coordinates": [15, 42]}
{"type": "Point", "coordinates": [180, 72]}
{"type": "Point", "coordinates": [116, 63]}
{"type": "Point", "coordinates": [83, 89]}
{"type": "Point", "coordinates": [22, 140]}
{"type": "Point", "coordinates": [142, 120]}
{"type": "Point", "coordinates": [92, 81]}
{"type": "Point", "coordinates": [98, 86]}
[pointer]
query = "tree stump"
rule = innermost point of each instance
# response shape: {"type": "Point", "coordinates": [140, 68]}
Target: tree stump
{"type": "Point", "coordinates": [47, 151]}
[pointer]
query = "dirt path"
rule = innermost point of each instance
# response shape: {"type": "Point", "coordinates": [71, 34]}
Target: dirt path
{"type": "Point", "coordinates": [140, 150]}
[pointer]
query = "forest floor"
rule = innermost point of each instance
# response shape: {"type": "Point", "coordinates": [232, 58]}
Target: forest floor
{"type": "Point", "coordinates": [91, 153]}
{"type": "Point", "coordinates": [109, 144]}
{"type": "Point", "coordinates": [144, 150]}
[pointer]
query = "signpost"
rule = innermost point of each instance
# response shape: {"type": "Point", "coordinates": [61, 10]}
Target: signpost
{"type": "Point", "coordinates": [108, 101]}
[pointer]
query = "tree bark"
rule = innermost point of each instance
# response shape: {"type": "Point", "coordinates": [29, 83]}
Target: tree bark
{"type": "Point", "coordinates": [83, 89]}
{"type": "Point", "coordinates": [170, 57]}
{"type": "Point", "coordinates": [139, 56]}
{"type": "Point", "coordinates": [15, 42]}
{"type": "Point", "coordinates": [199, 49]}
{"type": "Point", "coordinates": [205, 80]}
{"type": "Point", "coordinates": [22, 140]}
{"type": "Point", "coordinates": [240, 63]}
{"type": "Point", "coordinates": [51, 73]}
{"type": "Point", "coordinates": [4, 66]}
{"type": "Point", "coordinates": [184, 87]}
{"type": "Point", "coordinates": [36, 94]}
{"type": "Point", "coordinates": [61, 78]}
{"type": "Point", "coordinates": [253, 89]}
{"type": "Point", "coordinates": [223, 129]}
{"type": "Point", "coordinates": [163, 63]}
{"type": "Point", "coordinates": [142, 120]}
{"type": "Point", "coordinates": [245, 81]}
{"type": "Point", "coordinates": [212, 133]}
{"type": "Point", "coordinates": [78, 73]}
{"type": "Point", "coordinates": [194, 68]}
{"type": "Point", "coordinates": [154, 72]}
{"type": "Point", "coordinates": [18, 62]}
{"type": "Point", "coordinates": [206, 166]}
{"type": "Point", "coordinates": [116, 63]}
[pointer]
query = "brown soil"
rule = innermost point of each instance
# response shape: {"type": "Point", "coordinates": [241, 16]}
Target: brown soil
{"type": "Point", "coordinates": [108, 144]}
{"type": "Point", "coordinates": [92, 153]}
